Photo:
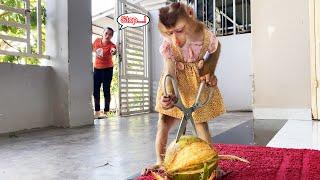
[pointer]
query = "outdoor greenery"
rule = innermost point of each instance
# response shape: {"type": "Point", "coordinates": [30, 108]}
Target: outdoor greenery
{"type": "Point", "coordinates": [18, 32]}
{"type": "Point", "coordinates": [21, 47]}
{"type": "Point", "coordinates": [115, 79]}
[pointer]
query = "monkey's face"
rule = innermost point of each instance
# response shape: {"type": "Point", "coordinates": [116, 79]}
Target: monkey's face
{"type": "Point", "coordinates": [177, 34]}
{"type": "Point", "coordinates": [176, 22]}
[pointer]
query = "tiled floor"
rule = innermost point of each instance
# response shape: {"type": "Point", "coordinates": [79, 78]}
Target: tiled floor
{"type": "Point", "coordinates": [127, 144]}
{"type": "Point", "coordinates": [298, 134]}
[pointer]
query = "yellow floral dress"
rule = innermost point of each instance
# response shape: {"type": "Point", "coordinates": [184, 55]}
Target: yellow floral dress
{"type": "Point", "coordinates": [188, 81]}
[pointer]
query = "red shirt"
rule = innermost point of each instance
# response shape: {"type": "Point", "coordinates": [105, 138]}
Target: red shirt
{"type": "Point", "coordinates": [106, 60]}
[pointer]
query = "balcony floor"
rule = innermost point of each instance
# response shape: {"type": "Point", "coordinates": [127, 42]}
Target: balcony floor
{"type": "Point", "coordinates": [126, 143]}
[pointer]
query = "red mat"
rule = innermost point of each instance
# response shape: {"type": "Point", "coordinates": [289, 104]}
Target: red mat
{"type": "Point", "coordinates": [269, 163]}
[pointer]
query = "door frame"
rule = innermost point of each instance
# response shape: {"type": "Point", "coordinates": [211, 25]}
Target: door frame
{"type": "Point", "coordinates": [315, 58]}
{"type": "Point", "coordinates": [123, 73]}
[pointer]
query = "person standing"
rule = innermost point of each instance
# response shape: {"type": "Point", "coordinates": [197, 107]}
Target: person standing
{"type": "Point", "coordinates": [103, 70]}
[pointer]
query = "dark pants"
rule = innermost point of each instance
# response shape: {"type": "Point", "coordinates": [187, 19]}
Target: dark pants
{"type": "Point", "coordinates": [102, 76]}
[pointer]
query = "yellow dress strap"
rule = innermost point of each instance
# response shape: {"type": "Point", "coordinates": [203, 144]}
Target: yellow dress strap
{"type": "Point", "coordinates": [177, 54]}
{"type": "Point", "coordinates": [205, 45]}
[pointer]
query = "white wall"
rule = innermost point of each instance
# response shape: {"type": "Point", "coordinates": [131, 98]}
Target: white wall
{"type": "Point", "coordinates": [234, 72]}
{"type": "Point", "coordinates": [57, 49]}
{"type": "Point", "coordinates": [60, 95]}
{"type": "Point", "coordinates": [281, 59]}
{"type": "Point", "coordinates": [24, 97]}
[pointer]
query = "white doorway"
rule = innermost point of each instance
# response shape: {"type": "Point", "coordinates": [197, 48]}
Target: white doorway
{"type": "Point", "coordinates": [99, 22]}
{"type": "Point", "coordinates": [130, 87]}
{"type": "Point", "coordinates": [317, 50]}
{"type": "Point", "coordinates": [315, 56]}
{"type": "Point", "coordinates": [134, 78]}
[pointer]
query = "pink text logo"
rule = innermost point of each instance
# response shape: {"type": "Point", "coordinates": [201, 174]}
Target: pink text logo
{"type": "Point", "coordinates": [132, 20]}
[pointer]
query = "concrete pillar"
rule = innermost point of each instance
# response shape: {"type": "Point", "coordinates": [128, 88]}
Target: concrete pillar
{"type": "Point", "coordinates": [69, 46]}
{"type": "Point", "coordinates": [80, 67]}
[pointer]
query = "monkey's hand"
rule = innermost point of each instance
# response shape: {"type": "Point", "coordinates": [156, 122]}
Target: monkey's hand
{"type": "Point", "coordinates": [168, 101]}
{"type": "Point", "coordinates": [210, 79]}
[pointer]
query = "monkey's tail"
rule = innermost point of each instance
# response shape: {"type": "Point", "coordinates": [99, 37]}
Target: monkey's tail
{"type": "Point", "coordinates": [233, 158]}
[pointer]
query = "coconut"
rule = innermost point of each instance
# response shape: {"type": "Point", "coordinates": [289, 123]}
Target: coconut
{"type": "Point", "coordinates": [191, 158]}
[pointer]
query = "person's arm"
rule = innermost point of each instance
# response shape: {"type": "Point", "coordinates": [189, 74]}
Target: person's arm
{"type": "Point", "coordinates": [94, 45]}
{"type": "Point", "coordinates": [113, 50]}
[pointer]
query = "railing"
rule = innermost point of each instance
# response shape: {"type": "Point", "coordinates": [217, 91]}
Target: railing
{"type": "Point", "coordinates": [23, 45]}
{"type": "Point", "coordinates": [224, 17]}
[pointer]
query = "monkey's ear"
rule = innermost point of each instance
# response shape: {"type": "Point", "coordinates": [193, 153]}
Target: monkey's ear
{"type": "Point", "coordinates": [190, 12]}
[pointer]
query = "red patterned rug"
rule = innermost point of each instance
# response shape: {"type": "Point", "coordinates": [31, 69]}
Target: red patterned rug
{"type": "Point", "coordinates": [269, 163]}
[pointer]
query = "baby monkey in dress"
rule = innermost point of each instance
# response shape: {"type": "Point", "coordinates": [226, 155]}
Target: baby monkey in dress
{"type": "Point", "coordinates": [186, 40]}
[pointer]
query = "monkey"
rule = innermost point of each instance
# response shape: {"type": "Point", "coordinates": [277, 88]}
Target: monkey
{"type": "Point", "coordinates": [185, 41]}
{"type": "Point", "coordinates": [173, 13]}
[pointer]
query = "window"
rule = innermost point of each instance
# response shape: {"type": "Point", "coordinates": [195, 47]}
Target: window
{"type": "Point", "coordinates": [231, 16]}
{"type": "Point", "coordinates": [22, 31]}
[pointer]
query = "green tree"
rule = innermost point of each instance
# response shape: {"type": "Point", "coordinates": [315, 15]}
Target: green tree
{"type": "Point", "coordinates": [18, 32]}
